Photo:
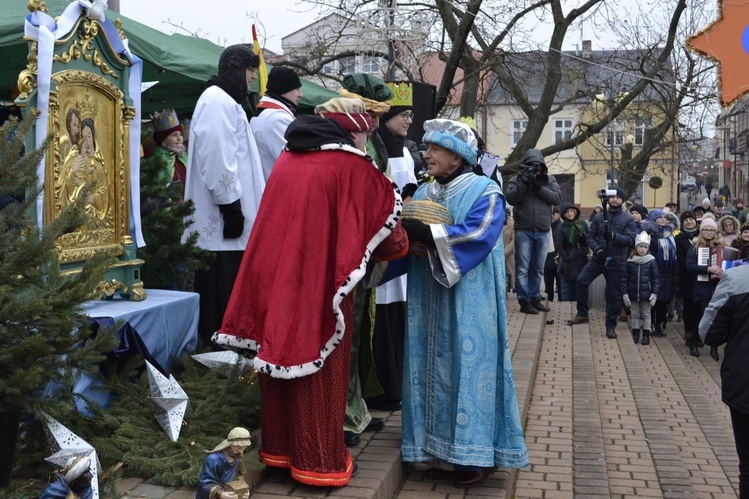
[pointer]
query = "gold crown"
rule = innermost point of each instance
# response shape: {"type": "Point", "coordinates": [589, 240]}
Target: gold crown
{"type": "Point", "coordinates": [165, 120]}
{"type": "Point", "coordinates": [468, 120]}
{"type": "Point", "coordinates": [86, 105]}
{"type": "Point", "coordinates": [403, 93]}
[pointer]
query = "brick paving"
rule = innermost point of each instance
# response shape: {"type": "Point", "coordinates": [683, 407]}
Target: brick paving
{"type": "Point", "coordinates": [604, 419]}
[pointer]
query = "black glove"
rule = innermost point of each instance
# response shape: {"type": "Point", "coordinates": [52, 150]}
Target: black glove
{"type": "Point", "coordinates": [418, 231]}
{"type": "Point", "coordinates": [541, 180]}
{"type": "Point", "coordinates": [408, 191]}
{"type": "Point", "coordinates": [526, 174]}
{"type": "Point", "coordinates": [233, 219]}
{"type": "Point", "coordinates": [608, 235]}
{"type": "Point", "coordinates": [600, 256]}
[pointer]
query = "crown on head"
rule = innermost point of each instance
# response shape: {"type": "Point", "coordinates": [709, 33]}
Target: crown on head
{"type": "Point", "coordinates": [86, 105]}
{"type": "Point", "coordinates": [403, 93]}
{"type": "Point", "coordinates": [643, 238]}
{"type": "Point", "coordinates": [165, 120]}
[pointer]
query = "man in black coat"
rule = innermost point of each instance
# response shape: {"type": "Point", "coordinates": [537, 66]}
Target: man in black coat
{"type": "Point", "coordinates": [689, 230]}
{"type": "Point", "coordinates": [726, 321]}
{"type": "Point", "coordinates": [610, 242]}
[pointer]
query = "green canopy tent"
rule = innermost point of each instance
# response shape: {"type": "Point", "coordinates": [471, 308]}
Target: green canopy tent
{"type": "Point", "coordinates": [181, 64]}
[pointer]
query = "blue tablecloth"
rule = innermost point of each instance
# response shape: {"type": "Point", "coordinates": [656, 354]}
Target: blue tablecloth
{"type": "Point", "coordinates": [165, 324]}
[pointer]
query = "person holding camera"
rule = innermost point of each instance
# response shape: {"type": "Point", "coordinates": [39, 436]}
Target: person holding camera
{"type": "Point", "coordinates": [532, 193]}
{"type": "Point", "coordinates": [611, 235]}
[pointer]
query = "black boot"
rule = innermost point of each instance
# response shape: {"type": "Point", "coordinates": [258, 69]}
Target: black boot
{"type": "Point", "coordinates": [527, 308]}
{"type": "Point", "coordinates": [536, 302]}
{"type": "Point", "coordinates": [693, 350]}
{"type": "Point", "coordinates": [636, 336]}
{"type": "Point", "coordinates": [657, 331]}
{"type": "Point", "coordinates": [646, 336]}
{"type": "Point", "coordinates": [714, 354]}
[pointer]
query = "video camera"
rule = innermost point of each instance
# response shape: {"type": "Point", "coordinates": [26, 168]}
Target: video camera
{"type": "Point", "coordinates": [606, 193]}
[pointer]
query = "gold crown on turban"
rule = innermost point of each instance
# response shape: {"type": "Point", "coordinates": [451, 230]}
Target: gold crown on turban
{"type": "Point", "coordinates": [372, 105]}
{"type": "Point", "coordinates": [403, 93]}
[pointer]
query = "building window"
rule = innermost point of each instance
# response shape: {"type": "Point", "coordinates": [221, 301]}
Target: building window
{"type": "Point", "coordinates": [371, 65]}
{"type": "Point", "coordinates": [348, 65]}
{"type": "Point", "coordinates": [641, 124]}
{"type": "Point", "coordinates": [562, 130]}
{"type": "Point", "coordinates": [615, 133]}
{"type": "Point", "coordinates": [518, 129]}
{"type": "Point", "coordinates": [331, 68]}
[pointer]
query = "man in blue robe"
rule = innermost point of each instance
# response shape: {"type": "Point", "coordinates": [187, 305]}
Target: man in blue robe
{"type": "Point", "coordinates": [74, 482]}
{"type": "Point", "coordinates": [221, 466]}
{"type": "Point", "coordinates": [459, 402]}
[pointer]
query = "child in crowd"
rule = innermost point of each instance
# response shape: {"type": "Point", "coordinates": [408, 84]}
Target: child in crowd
{"type": "Point", "coordinates": [705, 275]}
{"type": "Point", "coordinates": [663, 248]}
{"type": "Point", "coordinates": [641, 283]}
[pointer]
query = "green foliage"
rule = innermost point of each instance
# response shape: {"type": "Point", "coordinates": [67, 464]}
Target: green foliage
{"type": "Point", "coordinates": [41, 338]}
{"type": "Point", "coordinates": [655, 182]}
{"type": "Point", "coordinates": [128, 432]}
{"type": "Point", "coordinates": [169, 262]}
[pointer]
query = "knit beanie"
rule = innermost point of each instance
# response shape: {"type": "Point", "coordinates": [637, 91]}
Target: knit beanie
{"type": "Point", "coordinates": [687, 214]}
{"type": "Point", "coordinates": [237, 57]}
{"type": "Point", "coordinates": [620, 192]}
{"type": "Point", "coordinates": [282, 80]}
{"type": "Point", "coordinates": [708, 223]}
{"type": "Point", "coordinates": [706, 201]}
{"type": "Point", "coordinates": [639, 209]}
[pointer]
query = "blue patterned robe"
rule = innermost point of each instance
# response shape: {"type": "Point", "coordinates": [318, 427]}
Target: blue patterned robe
{"type": "Point", "coordinates": [459, 402]}
{"type": "Point", "coordinates": [60, 490]}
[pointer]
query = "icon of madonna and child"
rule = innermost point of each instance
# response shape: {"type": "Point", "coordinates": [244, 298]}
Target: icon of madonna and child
{"type": "Point", "coordinates": [83, 167]}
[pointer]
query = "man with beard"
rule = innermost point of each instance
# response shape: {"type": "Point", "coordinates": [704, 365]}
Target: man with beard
{"type": "Point", "coordinates": [74, 482]}
{"type": "Point", "coordinates": [277, 109]}
{"type": "Point", "coordinates": [222, 465]}
{"type": "Point", "coordinates": [610, 243]}
{"type": "Point", "coordinates": [224, 179]}
{"type": "Point", "coordinates": [73, 126]}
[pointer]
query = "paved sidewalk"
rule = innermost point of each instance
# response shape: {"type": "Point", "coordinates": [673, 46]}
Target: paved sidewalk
{"type": "Point", "coordinates": [604, 419]}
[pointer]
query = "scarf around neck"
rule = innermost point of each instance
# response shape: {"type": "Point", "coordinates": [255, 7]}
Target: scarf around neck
{"type": "Point", "coordinates": [576, 229]}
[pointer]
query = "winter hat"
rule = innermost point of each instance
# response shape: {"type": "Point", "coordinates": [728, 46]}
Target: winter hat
{"type": "Point", "coordinates": [351, 114]}
{"type": "Point", "coordinates": [744, 227]}
{"type": "Point", "coordinates": [620, 192]}
{"type": "Point", "coordinates": [687, 214]}
{"type": "Point", "coordinates": [237, 57]}
{"type": "Point", "coordinates": [706, 201]}
{"type": "Point", "coordinates": [238, 436]}
{"type": "Point", "coordinates": [708, 223]}
{"type": "Point", "coordinates": [373, 91]}
{"type": "Point", "coordinates": [282, 80]}
{"type": "Point", "coordinates": [655, 214]}
{"type": "Point", "coordinates": [452, 135]}
{"type": "Point", "coordinates": [639, 209]}
{"type": "Point", "coordinates": [403, 99]}
{"type": "Point", "coordinates": [642, 239]}
{"type": "Point", "coordinates": [165, 123]}
{"type": "Point", "coordinates": [737, 201]}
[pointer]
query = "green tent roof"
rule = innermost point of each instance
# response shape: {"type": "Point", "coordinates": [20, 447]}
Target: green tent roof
{"type": "Point", "coordinates": [181, 64]}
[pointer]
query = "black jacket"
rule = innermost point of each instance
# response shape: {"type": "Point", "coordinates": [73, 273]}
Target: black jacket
{"type": "Point", "coordinates": [572, 255]}
{"type": "Point", "coordinates": [532, 196]}
{"type": "Point", "coordinates": [641, 278]}
{"type": "Point", "coordinates": [726, 320]}
{"type": "Point", "coordinates": [683, 243]}
{"type": "Point", "coordinates": [622, 226]}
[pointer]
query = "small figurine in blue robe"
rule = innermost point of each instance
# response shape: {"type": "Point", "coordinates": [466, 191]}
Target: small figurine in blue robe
{"type": "Point", "coordinates": [222, 465]}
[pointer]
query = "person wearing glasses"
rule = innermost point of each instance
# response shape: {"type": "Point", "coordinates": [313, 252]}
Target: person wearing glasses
{"type": "Point", "coordinates": [706, 273]}
{"type": "Point", "coordinates": [224, 179]}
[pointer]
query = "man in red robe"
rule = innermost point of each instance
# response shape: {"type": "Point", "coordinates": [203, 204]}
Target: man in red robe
{"type": "Point", "coordinates": [326, 212]}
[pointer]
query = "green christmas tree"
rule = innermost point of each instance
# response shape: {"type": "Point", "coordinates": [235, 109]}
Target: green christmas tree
{"type": "Point", "coordinates": [44, 337]}
{"type": "Point", "coordinates": [170, 263]}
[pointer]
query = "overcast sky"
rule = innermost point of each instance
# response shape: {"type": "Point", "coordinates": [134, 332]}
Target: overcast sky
{"type": "Point", "coordinates": [223, 22]}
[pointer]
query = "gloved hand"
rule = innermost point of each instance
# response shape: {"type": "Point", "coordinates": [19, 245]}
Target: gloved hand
{"type": "Point", "coordinates": [600, 256]}
{"type": "Point", "coordinates": [526, 173]}
{"type": "Point", "coordinates": [608, 235]}
{"type": "Point", "coordinates": [233, 219]}
{"type": "Point", "coordinates": [408, 190]}
{"type": "Point", "coordinates": [653, 299]}
{"type": "Point", "coordinates": [626, 300]}
{"type": "Point", "coordinates": [418, 231]}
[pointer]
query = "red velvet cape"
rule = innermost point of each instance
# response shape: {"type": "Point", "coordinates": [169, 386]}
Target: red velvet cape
{"type": "Point", "coordinates": [321, 216]}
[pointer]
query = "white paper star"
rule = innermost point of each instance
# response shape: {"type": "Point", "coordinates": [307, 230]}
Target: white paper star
{"type": "Point", "coordinates": [66, 444]}
{"type": "Point", "coordinates": [227, 362]}
{"type": "Point", "coordinates": [171, 398]}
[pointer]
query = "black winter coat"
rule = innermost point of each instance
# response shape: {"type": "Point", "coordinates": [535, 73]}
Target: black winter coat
{"type": "Point", "coordinates": [622, 225]}
{"type": "Point", "coordinates": [702, 290]}
{"type": "Point", "coordinates": [572, 256]}
{"type": "Point", "coordinates": [641, 279]}
{"type": "Point", "coordinates": [533, 196]}
{"type": "Point", "coordinates": [726, 320]}
{"type": "Point", "coordinates": [683, 243]}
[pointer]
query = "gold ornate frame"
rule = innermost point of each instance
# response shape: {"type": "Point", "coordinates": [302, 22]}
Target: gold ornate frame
{"type": "Point", "coordinates": [73, 163]}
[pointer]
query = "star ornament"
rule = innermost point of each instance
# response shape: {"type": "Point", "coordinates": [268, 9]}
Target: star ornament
{"type": "Point", "coordinates": [726, 41]}
{"type": "Point", "coordinates": [227, 362]}
{"type": "Point", "coordinates": [170, 399]}
{"type": "Point", "coordinates": [66, 444]}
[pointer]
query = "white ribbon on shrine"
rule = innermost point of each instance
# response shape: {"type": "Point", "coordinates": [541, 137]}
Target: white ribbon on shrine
{"type": "Point", "coordinates": [43, 29]}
